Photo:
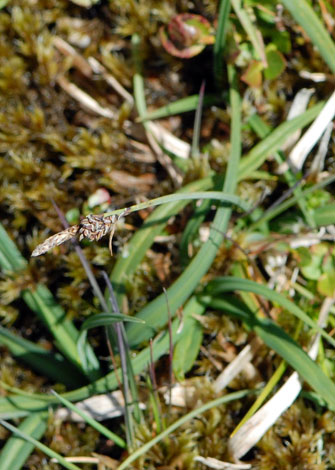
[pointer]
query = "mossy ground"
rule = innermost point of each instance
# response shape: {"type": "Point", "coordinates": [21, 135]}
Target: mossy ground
{"type": "Point", "coordinates": [55, 151]}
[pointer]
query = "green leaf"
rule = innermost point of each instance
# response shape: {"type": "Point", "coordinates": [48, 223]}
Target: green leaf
{"type": "Point", "coordinates": [92, 422]}
{"type": "Point", "coordinates": [183, 105]}
{"type": "Point", "coordinates": [65, 333]}
{"type": "Point", "coordinates": [16, 450]}
{"type": "Point", "coordinates": [251, 30]}
{"type": "Point", "coordinates": [220, 40]}
{"type": "Point", "coordinates": [41, 301]}
{"type": "Point", "coordinates": [16, 406]}
{"type": "Point", "coordinates": [44, 362]}
{"type": "Point", "coordinates": [105, 319]}
{"type": "Point", "coordinates": [304, 14]}
{"type": "Point", "coordinates": [228, 284]}
{"type": "Point", "coordinates": [276, 63]}
{"type": "Point", "coordinates": [274, 337]}
{"type": "Point", "coordinates": [325, 215]}
{"type": "Point", "coordinates": [23, 435]}
{"type": "Point", "coordinates": [326, 284]}
{"type": "Point", "coordinates": [155, 313]}
{"type": "Point", "coordinates": [253, 75]}
{"type": "Point", "coordinates": [257, 156]}
{"type": "Point", "coordinates": [188, 346]}
{"type": "Point", "coordinates": [10, 259]}
{"type": "Point", "coordinates": [141, 241]}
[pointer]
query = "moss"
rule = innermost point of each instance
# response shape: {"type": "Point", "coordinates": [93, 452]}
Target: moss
{"type": "Point", "coordinates": [299, 440]}
{"type": "Point", "coordinates": [53, 149]}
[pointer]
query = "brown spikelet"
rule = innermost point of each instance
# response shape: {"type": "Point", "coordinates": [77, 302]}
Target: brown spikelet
{"type": "Point", "coordinates": [92, 227]}
{"type": "Point", "coordinates": [56, 240]}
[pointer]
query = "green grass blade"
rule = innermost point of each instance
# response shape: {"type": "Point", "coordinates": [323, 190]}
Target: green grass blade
{"type": "Point", "coordinates": [23, 435]}
{"type": "Point", "coordinates": [250, 29]}
{"type": "Point", "coordinates": [192, 229]}
{"type": "Point", "coordinates": [65, 333]}
{"type": "Point", "coordinates": [228, 284]}
{"type": "Point", "coordinates": [224, 198]}
{"type": "Point", "coordinates": [303, 13]}
{"type": "Point", "coordinates": [92, 422]}
{"type": "Point", "coordinates": [324, 215]}
{"type": "Point", "coordinates": [187, 348]}
{"type": "Point", "coordinates": [138, 83]}
{"type": "Point", "coordinates": [290, 202]}
{"type": "Point", "coordinates": [16, 406]}
{"type": "Point", "coordinates": [183, 105]}
{"type": "Point", "coordinates": [53, 366]}
{"type": "Point", "coordinates": [276, 338]}
{"type": "Point", "coordinates": [141, 241]}
{"type": "Point", "coordinates": [262, 130]}
{"type": "Point", "coordinates": [41, 301]}
{"type": "Point", "coordinates": [16, 450]}
{"type": "Point", "coordinates": [257, 156]}
{"type": "Point", "coordinates": [19, 406]}
{"type": "Point", "coordinates": [155, 313]}
{"type": "Point", "coordinates": [11, 259]}
{"type": "Point", "coordinates": [193, 414]}
{"type": "Point", "coordinates": [195, 147]}
{"type": "Point", "coordinates": [105, 319]}
{"type": "Point", "coordinates": [220, 40]}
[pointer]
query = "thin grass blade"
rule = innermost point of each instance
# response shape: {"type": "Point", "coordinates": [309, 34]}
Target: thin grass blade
{"type": "Point", "coordinates": [23, 435]}
{"type": "Point", "coordinates": [220, 40]}
{"type": "Point", "coordinates": [105, 319]}
{"type": "Point", "coordinates": [257, 156]}
{"type": "Point", "coordinates": [41, 301]}
{"type": "Point", "coordinates": [18, 406]}
{"type": "Point", "coordinates": [183, 105]}
{"type": "Point", "coordinates": [229, 284]}
{"type": "Point", "coordinates": [276, 338]}
{"type": "Point", "coordinates": [92, 422]}
{"type": "Point", "coordinates": [141, 241]}
{"type": "Point", "coordinates": [16, 450]}
{"type": "Point", "coordinates": [193, 414]}
{"type": "Point", "coordinates": [155, 313]}
{"type": "Point", "coordinates": [303, 13]}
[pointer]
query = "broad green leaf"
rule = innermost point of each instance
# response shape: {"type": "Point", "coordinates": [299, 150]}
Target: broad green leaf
{"type": "Point", "coordinates": [253, 74]}
{"type": "Point", "coordinates": [326, 284]}
{"type": "Point", "coordinates": [276, 63]}
{"type": "Point", "coordinates": [325, 215]}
